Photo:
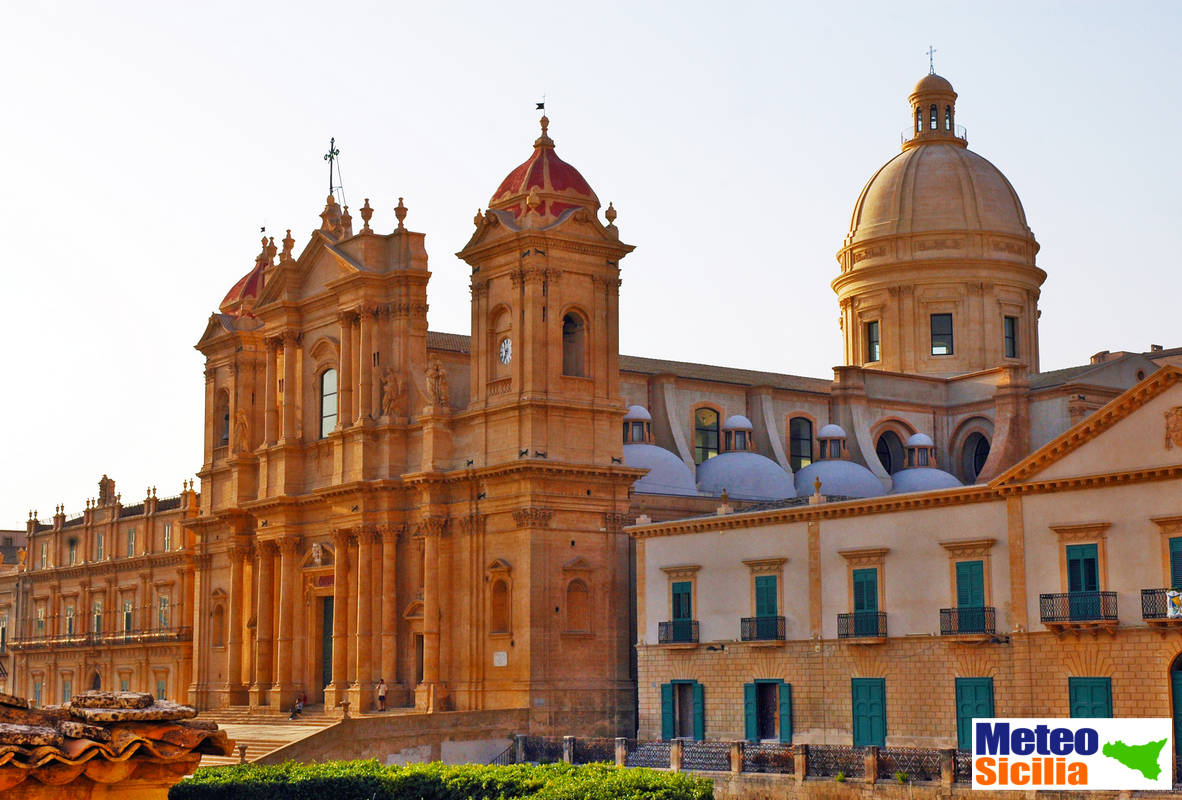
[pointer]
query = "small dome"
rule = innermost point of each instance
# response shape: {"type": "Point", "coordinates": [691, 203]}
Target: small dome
{"type": "Point", "coordinates": [922, 479]}
{"type": "Point", "coordinates": [667, 474]}
{"type": "Point", "coordinates": [637, 414]}
{"type": "Point", "coordinates": [543, 183]}
{"type": "Point", "coordinates": [745, 476]}
{"type": "Point", "coordinates": [737, 423]}
{"type": "Point", "coordinates": [838, 478]}
{"type": "Point", "coordinates": [933, 83]}
{"type": "Point", "coordinates": [919, 440]}
{"type": "Point", "coordinates": [831, 431]}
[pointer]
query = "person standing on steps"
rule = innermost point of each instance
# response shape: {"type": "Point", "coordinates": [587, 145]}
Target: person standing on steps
{"type": "Point", "coordinates": [381, 694]}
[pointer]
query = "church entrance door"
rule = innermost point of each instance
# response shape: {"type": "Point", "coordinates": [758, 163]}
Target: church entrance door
{"type": "Point", "coordinates": [326, 642]}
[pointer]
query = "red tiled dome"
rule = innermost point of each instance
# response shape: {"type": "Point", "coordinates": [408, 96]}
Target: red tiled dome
{"type": "Point", "coordinates": [557, 186]}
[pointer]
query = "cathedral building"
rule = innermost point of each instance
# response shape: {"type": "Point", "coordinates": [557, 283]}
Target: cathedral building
{"type": "Point", "coordinates": [447, 512]}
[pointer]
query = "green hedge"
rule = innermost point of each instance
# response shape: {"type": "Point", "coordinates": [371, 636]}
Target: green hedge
{"type": "Point", "coordinates": [369, 780]}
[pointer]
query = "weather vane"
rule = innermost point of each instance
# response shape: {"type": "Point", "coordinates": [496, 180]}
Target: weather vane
{"type": "Point", "coordinates": [330, 157]}
{"type": "Point", "coordinates": [931, 60]}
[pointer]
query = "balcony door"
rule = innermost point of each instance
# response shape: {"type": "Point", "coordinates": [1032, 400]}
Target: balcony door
{"type": "Point", "coordinates": [683, 611]}
{"type": "Point", "coordinates": [1083, 581]}
{"type": "Point", "coordinates": [970, 597]}
{"type": "Point", "coordinates": [766, 607]}
{"type": "Point", "coordinates": [865, 602]}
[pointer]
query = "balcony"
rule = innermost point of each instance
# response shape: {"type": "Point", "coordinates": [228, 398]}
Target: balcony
{"type": "Point", "coordinates": [763, 629]}
{"type": "Point", "coordinates": [969, 623]}
{"type": "Point", "coordinates": [1078, 611]}
{"type": "Point", "coordinates": [866, 625]}
{"type": "Point", "coordinates": [678, 631]}
{"type": "Point", "coordinates": [101, 639]}
{"type": "Point", "coordinates": [1155, 608]}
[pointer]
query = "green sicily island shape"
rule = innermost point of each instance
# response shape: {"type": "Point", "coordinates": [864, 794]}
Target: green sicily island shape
{"type": "Point", "coordinates": [1141, 757]}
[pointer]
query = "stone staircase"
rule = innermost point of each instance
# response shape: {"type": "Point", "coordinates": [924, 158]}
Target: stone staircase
{"type": "Point", "coordinates": [263, 730]}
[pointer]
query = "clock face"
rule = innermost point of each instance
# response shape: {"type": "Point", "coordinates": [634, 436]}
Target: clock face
{"type": "Point", "coordinates": [506, 351]}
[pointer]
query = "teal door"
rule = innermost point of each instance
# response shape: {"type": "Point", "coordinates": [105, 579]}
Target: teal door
{"type": "Point", "coordinates": [869, 706]}
{"type": "Point", "coordinates": [766, 607]}
{"type": "Point", "coordinates": [974, 699]}
{"type": "Point", "coordinates": [326, 643]}
{"type": "Point", "coordinates": [683, 611]}
{"type": "Point", "coordinates": [1083, 581]}
{"type": "Point", "coordinates": [1090, 697]}
{"type": "Point", "coordinates": [1176, 563]}
{"type": "Point", "coordinates": [970, 596]}
{"type": "Point", "coordinates": [766, 704]}
{"type": "Point", "coordinates": [683, 710]}
{"type": "Point", "coordinates": [866, 602]}
{"type": "Point", "coordinates": [1176, 692]}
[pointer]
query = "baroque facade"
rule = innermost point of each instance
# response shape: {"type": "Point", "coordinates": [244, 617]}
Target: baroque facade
{"type": "Point", "coordinates": [446, 512]}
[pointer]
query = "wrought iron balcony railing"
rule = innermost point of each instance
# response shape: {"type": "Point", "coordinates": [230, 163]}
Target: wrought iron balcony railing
{"type": "Point", "coordinates": [1067, 607]}
{"type": "Point", "coordinates": [763, 629]}
{"type": "Point", "coordinates": [861, 623]}
{"type": "Point", "coordinates": [95, 639]}
{"type": "Point", "coordinates": [968, 619]}
{"type": "Point", "coordinates": [1155, 604]}
{"type": "Point", "coordinates": [678, 631]}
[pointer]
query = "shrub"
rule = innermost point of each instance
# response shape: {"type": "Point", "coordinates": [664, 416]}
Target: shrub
{"type": "Point", "coordinates": [839, 777]}
{"type": "Point", "coordinates": [901, 776]}
{"type": "Point", "coordinates": [369, 780]}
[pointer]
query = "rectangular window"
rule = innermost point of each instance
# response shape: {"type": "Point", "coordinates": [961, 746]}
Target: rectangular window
{"type": "Point", "coordinates": [127, 607]}
{"type": "Point", "coordinates": [69, 620]}
{"type": "Point", "coordinates": [766, 591]}
{"type": "Point", "coordinates": [1090, 697]}
{"type": "Point", "coordinates": [44, 555]}
{"type": "Point", "coordinates": [167, 536]}
{"type": "Point", "coordinates": [36, 693]}
{"type": "Point", "coordinates": [97, 627]}
{"type": "Point", "coordinates": [865, 602]}
{"type": "Point", "coordinates": [100, 547]}
{"type": "Point", "coordinates": [3, 632]}
{"type": "Point", "coordinates": [970, 596]}
{"type": "Point", "coordinates": [974, 699]}
{"type": "Point", "coordinates": [1011, 333]}
{"type": "Point", "coordinates": [873, 345]}
{"type": "Point", "coordinates": [705, 434]}
{"type": "Point", "coordinates": [73, 552]}
{"type": "Point", "coordinates": [683, 710]}
{"type": "Point", "coordinates": [767, 710]}
{"type": "Point", "coordinates": [683, 600]}
{"type": "Point", "coordinates": [941, 334]}
{"type": "Point", "coordinates": [160, 685]}
{"type": "Point", "coordinates": [130, 542]}
{"type": "Point", "coordinates": [1176, 563]}
{"type": "Point", "coordinates": [67, 690]}
{"type": "Point", "coordinates": [40, 627]}
{"type": "Point", "coordinates": [162, 613]}
{"type": "Point", "coordinates": [869, 707]}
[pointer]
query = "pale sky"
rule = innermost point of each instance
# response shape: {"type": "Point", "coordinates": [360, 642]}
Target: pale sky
{"type": "Point", "coordinates": [146, 143]}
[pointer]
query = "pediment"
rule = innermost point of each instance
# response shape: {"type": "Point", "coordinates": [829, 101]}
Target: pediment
{"type": "Point", "coordinates": [499, 565]}
{"type": "Point", "coordinates": [320, 263]}
{"type": "Point", "coordinates": [577, 564]}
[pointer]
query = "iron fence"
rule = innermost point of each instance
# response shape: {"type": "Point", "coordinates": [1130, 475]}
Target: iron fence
{"type": "Point", "coordinates": [677, 631]}
{"type": "Point", "coordinates": [1078, 607]}
{"type": "Point", "coordinates": [861, 623]}
{"type": "Point", "coordinates": [963, 770]}
{"type": "Point", "coordinates": [826, 760]}
{"type": "Point", "coordinates": [916, 763]}
{"type": "Point", "coordinates": [708, 756]}
{"type": "Point", "coordinates": [769, 757]}
{"type": "Point", "coordinates": [590, 751]}
{"type": "Point", "coordinates": [541, 750]}
{"type": "Point", "coordinates": [968, 620]}
{"type": "Point", "coordinates": [763, 629]}
{"type": "Point", "coordinates": [648, 754]}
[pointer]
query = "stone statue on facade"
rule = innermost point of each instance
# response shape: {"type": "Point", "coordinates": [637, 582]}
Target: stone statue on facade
{"type": "Point", "coordinates": [241, 432]}
{"type": "Point", "coordinates": [392, 388]}
{"type": "Point", "coordinates": [437, 389]}
{"type": "Point", "coordinates": [106, 491]}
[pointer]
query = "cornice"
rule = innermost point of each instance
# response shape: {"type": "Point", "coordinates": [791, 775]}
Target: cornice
{"type": "Point", "coordinates": [97, 568]}
{"type": "Point", "coordinates": [968, 548]}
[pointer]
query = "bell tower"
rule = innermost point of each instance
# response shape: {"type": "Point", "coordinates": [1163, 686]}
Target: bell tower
{"type": "Point", "coordinates": [545, 315]}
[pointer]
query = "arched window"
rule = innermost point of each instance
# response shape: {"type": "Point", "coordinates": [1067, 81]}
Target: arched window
{"type": "Point", "coordinates": [705, 434]}
{"type": "Point", "coordinates": [890, 452]}
{"type": "Point", "coordinates": [219, 626]}
{"type": "Point", "coordinates": [574, 344]}
{"type": "Point", "coordinates": [578, 607]}
{"type": "Point", "coordinates": [918, 119]}
{"type": "Point", "coordinates": [328, 402]}
{"type": "Point", "coordinates": [974, 456]}
{"type": "Point", "coordinates": [800, 443]}
{"type": "Point", "coordinates": [934, 122]}
{"type": "Point", "coordinates": [498, 617]}
{"type": "Point", "coordinates": [222, 418]}
{"type": "Point", "coordinates": [948, 118]}
{"type": "Point", "coordinates": [96, 682]}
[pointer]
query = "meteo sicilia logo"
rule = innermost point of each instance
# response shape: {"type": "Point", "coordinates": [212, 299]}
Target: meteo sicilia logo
{"type": "Point", "coordinates": [1072, 754]}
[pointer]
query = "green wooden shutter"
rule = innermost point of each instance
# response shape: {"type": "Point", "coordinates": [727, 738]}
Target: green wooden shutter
{"type": "Point", "coordinates": [699, 712]}
{"type": "Point", "coordinates": [750, 713]}
{"type": "Point", "coordinates": [1176, 689]}
{"type": "Point", "coordinates": [785, 712]}
{"type": "Point", "coordinates": [666, 711]}
{"type": "Point", "coordinates": [970, 584]}
{"type": "Point", "coordinates": [1090, 697]}
{"type": "Point", "coordinates": [1082, 568]}
{"type": "Point", "coordinates": [974, 698]}
{"type": "Point", "coordinates": [1176, 562]}
{"type": "Point", "coordinates": [766, 604]}
{"type": "Point", "coordinates": [683, 607]}
{"type": "Point", "coordinates": [865, 590]}
{"type": "Point", "coordinates": [869, 711]}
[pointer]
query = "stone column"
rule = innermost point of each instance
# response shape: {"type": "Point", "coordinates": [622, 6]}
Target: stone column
{"type": "Point", "coordinates": [363, 676]}
{"type": "Point", "coordinates": [291, 341]}
{"type": "Point", "coordinates": [365, 357]}
{"type": "Point", "coordinates": [345, 385]}
{"type": "Point", "coordinates": [233, 683]}
{"type": "Point", "coordinates": [389, 666]}
{"type": "Point", "coordinates": [265, 622]}
{"type": "Point", "coordinates": [290, 604]}
{"type": "Point", "coordinates": [270, 396]}
{"type": "Point", "coordinates": [433, 528]}
{"type": "Point", "coordinates": [340, 618]}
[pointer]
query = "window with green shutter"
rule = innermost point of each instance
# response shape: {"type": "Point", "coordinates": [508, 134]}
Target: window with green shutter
{"type": "Point", "coordinates": [974, 699]}
{"type": "Point", "coordinates": [970, 596]}
{"type": "Point", "coordinates": [766, 604]}
{"type": "Point", "coordinates": [865, 602]}
{"type": "Point", "coordinates": [1090, 697]}
{"type": "Point", "coordinates": [683, 710]}
{"type": "Point", "coordinates": [869, 711]}
{"type": "Point", "coordinates": [1176, 563]}
{"type": "Point", "coordinates": [756, 713]}
{"type": "Point", "coordinates": [683, 600]}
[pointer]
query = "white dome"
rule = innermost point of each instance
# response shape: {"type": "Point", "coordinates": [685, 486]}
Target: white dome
{"type": "Point", "coordinates": [922, 479]}
{"type": "Point", "coordinates": [737, 423]}
{"type": "Point", "coordinates": [637, 413]}
{"type": "Point", "coordinates": [667, 474]}
{"type": "Point", "coordinates": [745, 476]}
{"type": "Point", "coordinates": [831, 431]}
{"type": "Point", "coordinates": [919, 440]}
{"type": "Point", "coordinates": [839, 478]}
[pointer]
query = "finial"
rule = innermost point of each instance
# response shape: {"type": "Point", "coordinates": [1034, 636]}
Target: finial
{"type": "Point", "coordinates": [610, 213]}
{"type": "Point", "coordinates": [400, 213]}
{"type": "Point", "coordinates": [725, 496]}
{"type": "Point", "coordinates": [479, 218]}
{"type": "Point", "coordinates": [270, 249]}
{"type": "Point", "coordinates": [545, 124]}
{"type": "Point", "coordinates": [931, 60]}
{"type": "Point", "coordinates": [288, 244]}
{"type": "Point", "coordinates": [817, 486]}
{"type": "Point", "coordinates": [366, 213]}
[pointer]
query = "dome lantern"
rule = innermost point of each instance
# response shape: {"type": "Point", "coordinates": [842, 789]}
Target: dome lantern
{"type": "Point", "coordinates": [933, 114]}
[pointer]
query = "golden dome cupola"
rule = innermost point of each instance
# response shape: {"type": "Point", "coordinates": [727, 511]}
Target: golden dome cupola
{"type": "Point", "coordinates": [933, 114]}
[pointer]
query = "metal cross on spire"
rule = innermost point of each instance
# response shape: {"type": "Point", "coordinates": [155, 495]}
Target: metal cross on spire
{"type": "Point", "coordinates": [931, 60]}
{"type": "Point", "coordinates": [330, 157]}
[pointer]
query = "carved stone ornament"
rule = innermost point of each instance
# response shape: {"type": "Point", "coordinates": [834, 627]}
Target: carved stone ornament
{"type": "Point", "coordinates": [533, 517]}
{"type": "Point", "coordinates": [437, 389]}
{"type": "Point", "coordinates": [317, 553]}
{"type": "Point", "coordinates": [1174, 427]}
{"type": "Point", "coordinates": [392, 389]}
